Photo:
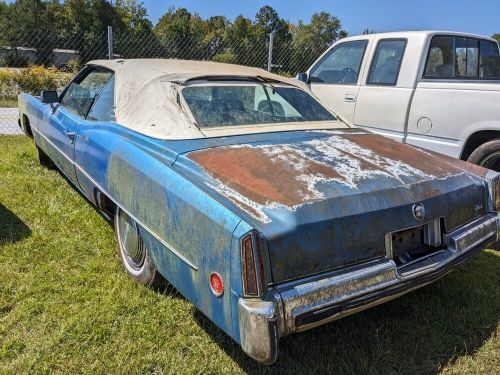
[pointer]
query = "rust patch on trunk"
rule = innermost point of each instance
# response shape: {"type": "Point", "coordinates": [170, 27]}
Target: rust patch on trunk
{"type": "Point", "coordinates": [261, 178]}
{"type": "Point", "coordinates": [426, 162]}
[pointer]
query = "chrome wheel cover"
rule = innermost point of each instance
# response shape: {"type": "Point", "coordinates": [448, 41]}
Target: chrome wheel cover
{"type": "Point", "coordinates": [130, 241]}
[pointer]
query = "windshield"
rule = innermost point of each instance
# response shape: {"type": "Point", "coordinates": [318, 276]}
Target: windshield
{"type": "Point", "coordinates": [251, 104]}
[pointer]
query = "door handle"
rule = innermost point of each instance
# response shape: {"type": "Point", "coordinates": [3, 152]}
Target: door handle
{"type": "Point", "coordinates": [350, 98]}
{"type": "Point", "coordinates": [71, 136]}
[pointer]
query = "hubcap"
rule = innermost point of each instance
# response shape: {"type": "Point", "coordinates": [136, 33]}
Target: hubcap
{"type": "Point", "coordinates": [131, 242]}
{"type": "Point", "coordinates": [492, 161]}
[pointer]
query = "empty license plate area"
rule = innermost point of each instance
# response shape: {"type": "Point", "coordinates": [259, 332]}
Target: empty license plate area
{"type": "Point", "coordinates": [411, 244]}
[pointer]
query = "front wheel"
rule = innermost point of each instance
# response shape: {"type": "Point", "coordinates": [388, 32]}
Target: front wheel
{"type": "Point", "coordinates": [133, 252]}
{"type": "Point", "coordinates": [44, 159]}
{"type": "Point", "coordinates": [487, 155]}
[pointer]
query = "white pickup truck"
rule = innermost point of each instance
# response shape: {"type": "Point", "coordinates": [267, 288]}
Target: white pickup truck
{"type": "Point", "coordinates": [437, 90]}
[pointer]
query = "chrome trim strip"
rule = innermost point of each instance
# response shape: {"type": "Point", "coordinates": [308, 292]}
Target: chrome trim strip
{"type": "Point", "coordinates": [150, 231]}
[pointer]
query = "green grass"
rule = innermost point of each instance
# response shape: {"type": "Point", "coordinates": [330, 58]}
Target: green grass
{"type": "Point", "coordinates": [67, 307]}
{"type": "Point", "coordinates": [8, 103]}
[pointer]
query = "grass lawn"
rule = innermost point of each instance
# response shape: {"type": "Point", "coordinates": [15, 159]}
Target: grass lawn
{"type": "Point", "coordinates": [67, 307]}
{"type": "Point", "coordinates": [8, 103]}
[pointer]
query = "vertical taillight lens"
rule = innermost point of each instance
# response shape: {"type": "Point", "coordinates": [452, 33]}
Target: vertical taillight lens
{"type": "Point", "coordinates": [250, 283]}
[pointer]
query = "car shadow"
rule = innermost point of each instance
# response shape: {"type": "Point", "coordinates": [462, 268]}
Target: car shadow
{"type": "Point", "coordinates": [12, 229]}
{"type": "Point", "coordinates": [417, 333]}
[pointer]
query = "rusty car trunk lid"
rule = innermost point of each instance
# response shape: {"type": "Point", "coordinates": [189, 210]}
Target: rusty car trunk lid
{"type": "Point", "coordinates": [326, 199]}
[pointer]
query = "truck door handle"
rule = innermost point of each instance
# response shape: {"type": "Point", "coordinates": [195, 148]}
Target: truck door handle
{"type": "Point", "coordinates": [71, 136]}
{"type": "Point", "coordinates": [350, 98]}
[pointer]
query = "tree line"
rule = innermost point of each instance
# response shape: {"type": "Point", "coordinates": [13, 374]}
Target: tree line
{"type": "Point", "coordinates": [81, 25]}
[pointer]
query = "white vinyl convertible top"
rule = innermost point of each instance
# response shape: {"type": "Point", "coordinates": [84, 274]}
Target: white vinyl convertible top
{"type": "Point", "coordinates": [146, 92]}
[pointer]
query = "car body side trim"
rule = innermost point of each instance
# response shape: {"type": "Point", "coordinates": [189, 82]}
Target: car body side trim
{"type": "Point", "coordinates": [139, 222]}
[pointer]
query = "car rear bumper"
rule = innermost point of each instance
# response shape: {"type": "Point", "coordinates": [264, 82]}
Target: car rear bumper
{"type": "Point", "coordinates": [304, 304]}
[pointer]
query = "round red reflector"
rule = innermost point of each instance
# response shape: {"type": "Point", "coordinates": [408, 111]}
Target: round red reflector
{"type": "Point", "coordinates": [216, 284]}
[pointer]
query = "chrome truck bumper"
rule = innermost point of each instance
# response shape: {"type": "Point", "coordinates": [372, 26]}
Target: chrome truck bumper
{"type": "Point", "coordinates": [304, 304]}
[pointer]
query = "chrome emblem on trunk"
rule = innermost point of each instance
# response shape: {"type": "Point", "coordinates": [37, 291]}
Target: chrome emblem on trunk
{"type": "Point", "coordinates": [418, 211]}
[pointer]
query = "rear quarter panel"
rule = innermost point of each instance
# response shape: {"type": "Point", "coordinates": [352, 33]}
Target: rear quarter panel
{"type": "Point", "coordinates": [456, 110]}
{"type": "Point", "coordinates": [188, 233]}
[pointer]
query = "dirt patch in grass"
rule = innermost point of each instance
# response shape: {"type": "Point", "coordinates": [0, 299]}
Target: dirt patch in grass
{"type": "Point", "coordinates": [66, 306]}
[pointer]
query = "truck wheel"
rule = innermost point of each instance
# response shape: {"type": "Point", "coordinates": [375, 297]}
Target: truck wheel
{"type": "Point", "coordinates": [487, 155]}
{"type": "Point", "coordinates": [133, 252]}
{"type": "Point", "coordinates": [45, 161]}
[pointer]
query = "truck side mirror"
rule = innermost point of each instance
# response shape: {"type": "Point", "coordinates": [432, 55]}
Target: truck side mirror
{"type": "Point", "coordinates": [49, 97]}
{"type": "Point", "coordinates": [303, 77]}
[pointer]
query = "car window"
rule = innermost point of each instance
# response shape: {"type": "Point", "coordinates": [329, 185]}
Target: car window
{"type": "Point", "coordinates": [233, 105]}
{"type": "Point", "coordinates": [341, 64]}
{"type": "Point", "coordinates": [82, 92]}
{"type": "Point", "coordinates": [386, 62]}
{"type": "Point", "coordinates": [104, 105]}
{"type": "Point", "coordinates": [462, 58]}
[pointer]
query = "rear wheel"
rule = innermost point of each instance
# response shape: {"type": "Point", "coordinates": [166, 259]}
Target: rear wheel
{"type": "Point", "coordinates": [44, 159]}
{"type": "Point", "coordinates": [487, 155]}
{"type": "Point", "coordinates": [133, 252]}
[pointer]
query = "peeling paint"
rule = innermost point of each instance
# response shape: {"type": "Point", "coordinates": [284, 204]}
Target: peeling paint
{"type": "Point", "coordinates": [257, 177]}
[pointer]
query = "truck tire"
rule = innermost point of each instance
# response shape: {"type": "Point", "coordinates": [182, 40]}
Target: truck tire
{"type": "Point", "coordinates": [45, 161]}
{"type": "Point", "coordinates": [135, 256]}
{"type": "Point", "coordinates": [487, 155]}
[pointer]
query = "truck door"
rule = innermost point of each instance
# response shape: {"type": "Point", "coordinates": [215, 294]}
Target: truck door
{"type": "Point", "coordinates": [384, 98]}
{"type": "Point", "coordinates": [455, 96]}
{"type": "Point", "coordinates": [334, 78]}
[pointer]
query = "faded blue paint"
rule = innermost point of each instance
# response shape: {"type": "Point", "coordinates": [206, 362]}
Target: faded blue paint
{"type": "Point", "coordinates": [170, 194]}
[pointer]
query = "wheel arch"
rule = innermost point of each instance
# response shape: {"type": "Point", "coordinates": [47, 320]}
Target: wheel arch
{"type": "Point", "coordinates": [477, 139]}
{"type": "Point", "coordinates": [26, 125]}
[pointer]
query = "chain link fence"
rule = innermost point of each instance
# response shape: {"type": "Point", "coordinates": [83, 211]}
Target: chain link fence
{"type": "Point", "coordinates": [50, 61]}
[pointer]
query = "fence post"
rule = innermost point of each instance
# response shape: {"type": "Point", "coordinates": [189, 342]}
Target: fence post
{"type": "Point", "coordinates": [270, 56]}
{"type": "Point", "coordinates": [110, 43]}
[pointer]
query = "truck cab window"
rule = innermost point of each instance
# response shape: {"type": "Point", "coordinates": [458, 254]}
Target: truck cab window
{"type": "Point", "coordinates": [386, 62]}
{"type": "Point", "coordinates": [489, 59]}
{"type": "Point", "coordinates": [462, 58]}
{"type": "Point", "coordinates": [341, 64]}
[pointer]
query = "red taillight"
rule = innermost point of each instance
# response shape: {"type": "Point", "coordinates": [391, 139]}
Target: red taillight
{"type": "Point", "coordinates": [250, 283]}
{"type": "Point", "coordinates": [216, 284]}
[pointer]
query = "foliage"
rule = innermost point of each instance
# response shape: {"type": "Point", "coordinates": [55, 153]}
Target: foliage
{"type": "Point", "coordinates": [81, 25]}
{"type": "Point", "coordinates": [310, 40]}
{"type": "Point", "coordinates": [496, 36]}
{"type": "Point", "coordinates": [67, 307]}
{"type": "Point", "coordinates": [32, 79]}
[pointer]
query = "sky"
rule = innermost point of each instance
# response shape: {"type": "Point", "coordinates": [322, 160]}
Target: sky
{"type": "Point", "coordinates": [473, 16]}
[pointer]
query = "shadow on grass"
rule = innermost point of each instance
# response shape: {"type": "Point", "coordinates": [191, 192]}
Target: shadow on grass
{"type": "Point", "coordinates": [417, 333]}
{"type": "Point", "coordinates": [12, 229]}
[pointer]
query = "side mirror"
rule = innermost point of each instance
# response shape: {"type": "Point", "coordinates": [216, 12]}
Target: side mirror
{"type": "Point", "coordinates": [49, 97]}
{"type": "Point", "coordinates": [303, 77]}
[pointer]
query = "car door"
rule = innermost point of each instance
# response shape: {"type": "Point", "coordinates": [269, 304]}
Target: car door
{"type": "Point", "coordinates": [384, 98]}
{"type": "Point", "coordinates": [62, 123]}
{"type": "Point", "coordinates": [94, 140]}
{"type": "Point", "coordinates": [334, 78]}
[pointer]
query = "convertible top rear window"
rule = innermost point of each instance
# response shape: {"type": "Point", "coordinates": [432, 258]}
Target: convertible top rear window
{"type": "Point", "coordinates": [251, 104]}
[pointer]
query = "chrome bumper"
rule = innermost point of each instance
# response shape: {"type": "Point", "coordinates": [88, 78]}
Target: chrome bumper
{"type": "Point", "coordinates": [304, 304]}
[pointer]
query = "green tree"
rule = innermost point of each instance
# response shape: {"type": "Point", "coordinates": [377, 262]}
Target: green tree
{"type": "Point", "coordinates": [311, 40]}
{"type": "Point", "coordinates": [240, 41]}
{"type": "Point", "coordinates": [25, 24]}
{"type": "Point", "coordinates": [182, 34]}
{"type": "Point", "coordinates": [496, 36]}
{"type": "Point", "coordinates": [268, 21]}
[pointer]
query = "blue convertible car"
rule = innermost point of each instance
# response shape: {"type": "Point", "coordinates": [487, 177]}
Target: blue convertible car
{"type": "Point", "coordinates": [251, 198]}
